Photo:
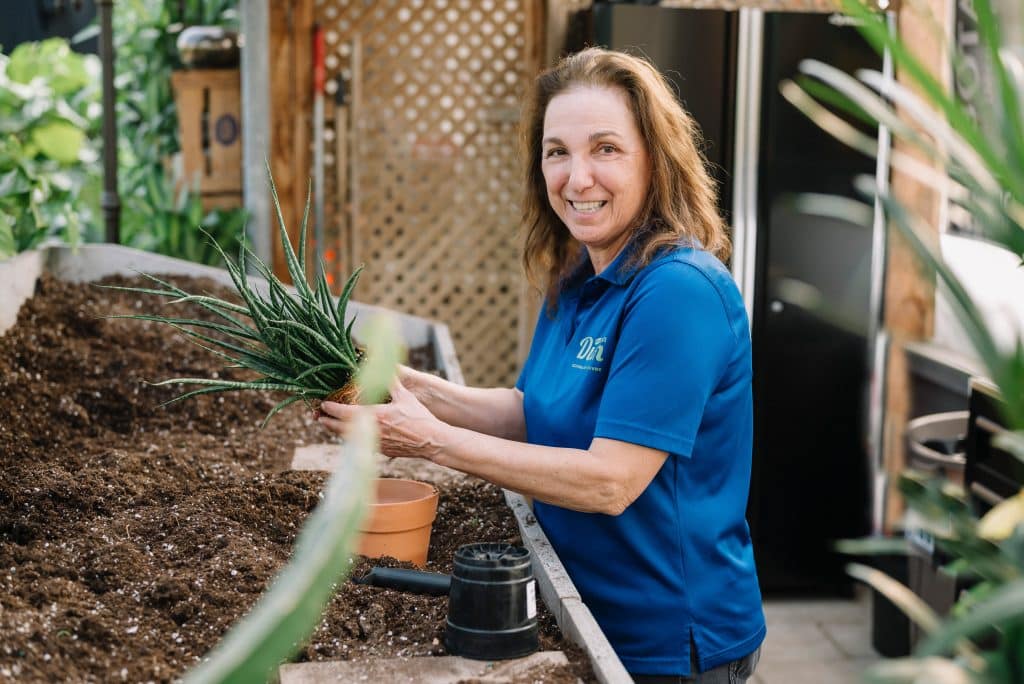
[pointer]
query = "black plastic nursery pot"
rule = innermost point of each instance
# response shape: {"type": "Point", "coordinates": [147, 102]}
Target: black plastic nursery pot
{"type": "Point", "coordinates": [890, 627]}
{"type": "Point", "coordinates": [492, 603]}
{"type": "Point", "coordinates": [492, 599]}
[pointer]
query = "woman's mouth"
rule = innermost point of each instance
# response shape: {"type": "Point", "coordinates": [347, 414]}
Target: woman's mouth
{"type": "Point", "coordinates": [587, 207]}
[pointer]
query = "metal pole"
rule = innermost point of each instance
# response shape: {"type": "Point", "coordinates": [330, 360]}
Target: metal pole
{"type": "Point", "coordinates": [110, 201]}
{"type": "Point", "coordinates": [749, 60]}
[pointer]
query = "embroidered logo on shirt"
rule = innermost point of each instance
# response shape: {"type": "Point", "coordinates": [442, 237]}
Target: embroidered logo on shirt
{"type": "Point", "coordinates": [591, 349]}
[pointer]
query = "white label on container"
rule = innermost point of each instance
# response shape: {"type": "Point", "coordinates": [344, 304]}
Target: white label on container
{"type": "Point", "coordinates": [531, 600]}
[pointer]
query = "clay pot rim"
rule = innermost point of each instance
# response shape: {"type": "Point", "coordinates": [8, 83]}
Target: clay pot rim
{"type": "Point", "coordinates": [429, 491]}
{"type": "Point", "coordinates": [409, 514]}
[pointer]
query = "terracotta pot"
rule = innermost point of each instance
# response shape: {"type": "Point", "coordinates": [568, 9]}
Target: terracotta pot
{"type": "Point", "coordinates": [399, 522]}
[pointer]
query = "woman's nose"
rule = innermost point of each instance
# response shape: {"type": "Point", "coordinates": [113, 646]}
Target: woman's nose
{"type": "Point", "coordinates": [581, 176]}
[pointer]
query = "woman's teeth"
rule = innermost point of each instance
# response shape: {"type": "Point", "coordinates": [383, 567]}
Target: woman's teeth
{"type": "Point", "coordinates": [587, 207]}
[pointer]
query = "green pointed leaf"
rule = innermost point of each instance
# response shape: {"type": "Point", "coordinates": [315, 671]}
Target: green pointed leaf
{"type": "Point", "coordinates": [902, 597]}
{"type": "Point", "coordinates": [1009, 98]}
{"type": "Point", "coordinates": [287, 614]}
{"type": "Point", "coordinates": [918, 671]}
{"type": "Point", "coordinates": [1003, 606]}
{"type": "Point", "coordinates": [225, 385]}
{"type": "Point", "coordinates": [243, 333]}
{"type": "Point", "coordinates": [875, 30]}
{"type": "Point", "coordinates": [385, 353]}
{"type": "Point", "coordinates": [873, 546]}
{"type": "Point", "coordinates": [969, 315]}
{"type": "Point", "coordinates": [279, 407]}
{"type": "Point", "coordinates": [7, 245]}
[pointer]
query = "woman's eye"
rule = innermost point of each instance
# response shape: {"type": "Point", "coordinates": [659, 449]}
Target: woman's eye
{"type": "Point", "coordinates": [554, 152]}
{"type": "Point", "coordinates": [607, 149]}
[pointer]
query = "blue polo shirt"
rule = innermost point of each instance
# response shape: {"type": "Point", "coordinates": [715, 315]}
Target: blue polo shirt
{"type": "Point", "coordinates": [658, 357]}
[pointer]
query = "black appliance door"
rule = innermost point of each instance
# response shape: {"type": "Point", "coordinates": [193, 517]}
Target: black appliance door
{"type": "Point", "coordinates": [696, 51]}
{"type": "Point", "coordinates": [811, 318]}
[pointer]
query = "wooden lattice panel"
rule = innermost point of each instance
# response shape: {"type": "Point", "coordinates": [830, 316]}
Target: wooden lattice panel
{"type": "Point", "coordinates": [433, 89]}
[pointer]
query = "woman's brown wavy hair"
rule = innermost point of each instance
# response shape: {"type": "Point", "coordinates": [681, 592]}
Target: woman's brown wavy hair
{"type": "Point", "coordinates": [681, 204]}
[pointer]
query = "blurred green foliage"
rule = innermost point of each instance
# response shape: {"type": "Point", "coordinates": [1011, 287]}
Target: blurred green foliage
{"type": "Point", "coordinates": [50, 172]}
{"type": "Point", "coordinates": [156, 215]}
{"type": "Point", "coordinates": [976, 158]}
{"type": "Point", "coordinates": [49, 115]}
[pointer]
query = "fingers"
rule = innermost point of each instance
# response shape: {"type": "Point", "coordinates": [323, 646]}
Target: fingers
{"type": "Point", "coordinates": [334, 416]}
{"type": "Point", "coordinates": [398, 390]}
{"type": "Point", "coordinates": [333, 424]}
{"type": "Point", "coordinates": [334, 409]}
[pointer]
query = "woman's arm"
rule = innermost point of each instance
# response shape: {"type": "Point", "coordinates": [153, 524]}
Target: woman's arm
{"type": "Point", "coordinates": [605, 478]}
{"type": "Point", "coordinates": [496, 411]}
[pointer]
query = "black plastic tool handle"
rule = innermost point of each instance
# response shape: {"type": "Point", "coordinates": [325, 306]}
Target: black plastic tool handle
{"type": "Point", "coordinates": [413, 581]}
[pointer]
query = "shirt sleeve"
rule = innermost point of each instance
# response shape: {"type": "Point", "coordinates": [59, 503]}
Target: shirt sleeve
{"type": "Point", "coordinates": [538, 330]}
{"type": "Point", "coordinates": [673, 348]}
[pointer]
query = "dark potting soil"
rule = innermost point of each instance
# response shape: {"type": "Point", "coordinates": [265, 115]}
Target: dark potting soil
{"type": "Point", "coordinates": [132, 536]}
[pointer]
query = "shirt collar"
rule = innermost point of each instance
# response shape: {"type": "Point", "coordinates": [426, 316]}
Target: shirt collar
{"type": "Point", "coordinates": [618, 272]}
{"type": "Point", "coordinates": [621, 270]}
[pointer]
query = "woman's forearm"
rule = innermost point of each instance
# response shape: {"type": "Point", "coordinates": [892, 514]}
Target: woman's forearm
{"type": "Point", "coordinates": [571, 478]}
{"type": "Point", "coordinates": [604, 478]}
{"type": "Point", "coordinates": [496, 411]}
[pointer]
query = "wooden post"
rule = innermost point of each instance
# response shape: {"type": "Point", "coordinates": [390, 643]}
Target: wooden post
{"type": "Point", "coordinates": [291, 84]}
{"type": "Point", "coordinates": [910, 294]}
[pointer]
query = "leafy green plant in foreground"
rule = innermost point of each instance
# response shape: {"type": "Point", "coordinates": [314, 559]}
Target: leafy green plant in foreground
{"type": "Point", "coordinates": [981, 168]}
{"type": "Point", "coordinates": [298, 344]}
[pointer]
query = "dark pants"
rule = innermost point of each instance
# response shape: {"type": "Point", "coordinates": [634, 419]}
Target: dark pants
{"type": "Point", "coordinates": [735, 672]}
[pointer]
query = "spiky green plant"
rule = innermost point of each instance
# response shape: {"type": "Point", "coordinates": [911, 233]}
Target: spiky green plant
{"type": "Point", "coordinates": [299, 344]}
{"type": "Point", "coordinates": [981, 167]}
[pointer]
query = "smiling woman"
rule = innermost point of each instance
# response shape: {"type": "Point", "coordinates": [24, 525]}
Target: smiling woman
{"type": "Point", "coordinates": [596, 167]}
{"type": "Point", "coordinates": [631, 423]}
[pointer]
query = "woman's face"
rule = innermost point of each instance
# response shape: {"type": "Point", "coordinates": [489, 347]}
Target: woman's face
{"type": "Point", "coordinates": [596, 167]}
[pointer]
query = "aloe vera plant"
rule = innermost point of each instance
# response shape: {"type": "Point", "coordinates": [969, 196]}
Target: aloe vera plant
{"type": "Point", "coordinates": [300, 344]}
{"type": "Point", "coordinates": [980, 166]}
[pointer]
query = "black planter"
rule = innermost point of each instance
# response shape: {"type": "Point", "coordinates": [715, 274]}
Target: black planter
{"type": "Point", "coordinates": [492, 604]}
{"type": "Point", "coordinates": [890, 627]}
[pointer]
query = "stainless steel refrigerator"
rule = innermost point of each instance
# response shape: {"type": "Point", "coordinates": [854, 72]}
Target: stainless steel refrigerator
{"type": "Point", "coordinates": [807, 276]}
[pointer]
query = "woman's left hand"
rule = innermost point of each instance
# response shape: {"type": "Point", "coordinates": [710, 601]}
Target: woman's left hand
{"type": "Point", "coordinates": [407, 428]}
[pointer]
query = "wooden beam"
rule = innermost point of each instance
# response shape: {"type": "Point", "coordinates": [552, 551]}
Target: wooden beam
{"type": "Point", "coordinates": [910, 293]}
{"type": "Point", "coordinates": [291, 86]}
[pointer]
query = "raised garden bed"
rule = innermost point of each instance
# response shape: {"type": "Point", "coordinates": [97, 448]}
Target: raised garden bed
{"type": "Point", "coordinates": [132, 535]}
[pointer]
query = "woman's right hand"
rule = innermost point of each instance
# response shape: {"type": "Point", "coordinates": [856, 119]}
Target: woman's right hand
{"type": "Point", "coordinates": [407, 428]}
